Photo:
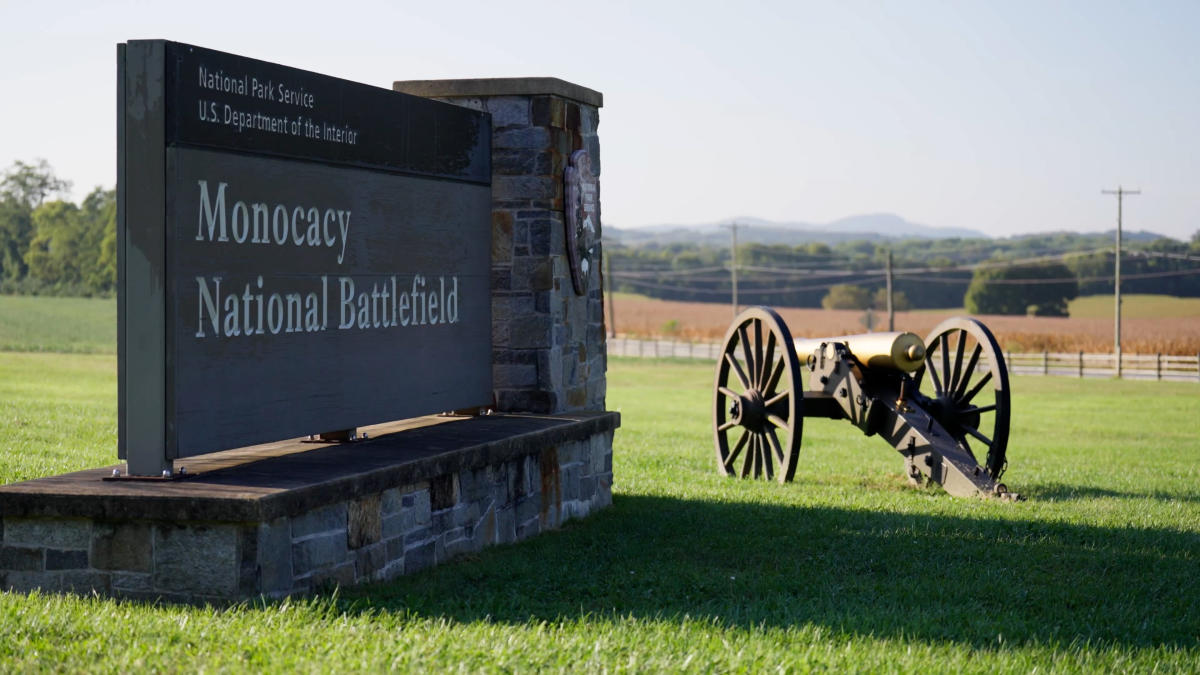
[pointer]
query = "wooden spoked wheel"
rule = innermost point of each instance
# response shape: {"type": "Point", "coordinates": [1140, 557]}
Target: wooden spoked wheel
{"type": "Point", "coordinates": [966, 380]}
{"type": "Point", "coordinates": [757, 399]}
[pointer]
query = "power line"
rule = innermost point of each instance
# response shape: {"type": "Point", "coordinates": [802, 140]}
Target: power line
{"type": "Point", "coordinates": [819, 273]}
{"type": "Point", "coordinates": [1162, 254]}
{"type": "Point", "coordinates": [812, 274]}
{"type": "Point", "coordinates": [642, 277]}
{"type": "Point", "coordinates": [823, 273]}
{"type": "Point", "coordinates": [669, 273]}
{"type": "Point", "coordinates": [713, 292]}
{"type": "Point", "coordinates": [1082, 280]}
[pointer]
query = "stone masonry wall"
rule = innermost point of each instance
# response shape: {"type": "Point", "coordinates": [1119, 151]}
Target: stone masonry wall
{"type": "Point", "coordinates": [548, 343]}
{"type": "Point", "coordinates": [372, 537]}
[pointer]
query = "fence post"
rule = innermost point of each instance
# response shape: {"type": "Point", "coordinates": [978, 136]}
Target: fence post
{"type": "Point", "coordinates": [1158, 366]}
{"type": "Point", "coordinates": [1198, 365]}
{"type": "Point", "coordinates": [640, 348]}
{"type": "Point", "coordinates": [1008, 363]}
{"type": "Point", "coordinates": [1081, 364]}
{"type": "Point", "coordinates": [1045, 362]}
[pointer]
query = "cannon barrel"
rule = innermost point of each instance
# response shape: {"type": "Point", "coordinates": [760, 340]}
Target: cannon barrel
{"type": "Point", "coordinates": [897, 350]}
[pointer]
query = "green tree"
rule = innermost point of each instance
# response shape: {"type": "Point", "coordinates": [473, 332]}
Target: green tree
{"type": "Point", "coordinates": [1043, 289]}
{"type": "Point", "coordinates": [23, 188]}
{"type": "Point", "coordinates": [31, 184]}
{"type": "Point", "coordinates": [687, 260]}
{"type": "Point", "coordinates": [73, 248]}
{"type": "Point", "coordinates": [900, 301]}
{"type": "Point", "coordinates": [846, 296]}
{"type": "Point", "coordinates": [818, 250]}
{"type": "Point", "coordinates": [99, 256]}
{"type": "Point", "coordinates": [1096, 267]}
{"type": "Point", "coordinates": [55, 251]}
{"type": "Point", "coordinates": [16, 229]}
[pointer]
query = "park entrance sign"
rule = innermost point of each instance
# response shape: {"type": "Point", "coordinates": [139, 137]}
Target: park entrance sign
{"type": "Point", "coordinates": [300, 254]}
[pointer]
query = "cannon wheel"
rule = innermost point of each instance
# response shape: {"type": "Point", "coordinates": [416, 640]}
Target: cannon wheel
{"type": "Point", "coordinates": [970, 399]}
{"type": "Point", "coordinates": [757, 399]}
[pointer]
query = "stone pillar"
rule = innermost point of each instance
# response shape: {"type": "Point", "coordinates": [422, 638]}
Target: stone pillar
{"type": "Point", "coordinates": [548, 343]}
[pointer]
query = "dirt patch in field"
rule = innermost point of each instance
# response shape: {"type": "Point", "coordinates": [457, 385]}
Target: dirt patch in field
{"type": "Point", "coordinates": [705, 321]}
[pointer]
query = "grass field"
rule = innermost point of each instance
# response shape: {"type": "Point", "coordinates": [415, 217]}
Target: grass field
{"type": "Point", "coordinates": [847, 568]}
{"type": "Point", "coordinates": [1135, 306]}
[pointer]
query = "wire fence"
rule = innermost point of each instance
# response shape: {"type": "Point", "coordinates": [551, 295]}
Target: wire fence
{"type": "Point", "coordinates": [1163, 367]}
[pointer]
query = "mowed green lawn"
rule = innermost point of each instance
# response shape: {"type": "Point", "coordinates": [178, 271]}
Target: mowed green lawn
{"type": "Point", "coordinates": [1134, 306]}
{"type": "Point", "coordinates": [847, 568]}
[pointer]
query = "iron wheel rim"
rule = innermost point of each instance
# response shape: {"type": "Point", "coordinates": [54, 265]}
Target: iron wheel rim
{"type": "Point", "coordinates": [970, 400]}
{"type": "Point", "coordinates": [757, 399]}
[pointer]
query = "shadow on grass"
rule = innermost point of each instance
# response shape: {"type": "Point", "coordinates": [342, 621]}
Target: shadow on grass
{"type": "Point", "coordinates": [891, 575]}
{"type": "Point", "coordinates": [1063, 492]}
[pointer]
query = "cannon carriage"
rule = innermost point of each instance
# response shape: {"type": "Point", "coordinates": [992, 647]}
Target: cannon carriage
{"type": "Point", "coordinates": [942, 402]}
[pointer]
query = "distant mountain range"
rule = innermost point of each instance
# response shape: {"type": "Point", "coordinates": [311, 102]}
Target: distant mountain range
{"type": "Point", "coordinates": [874, 226]}
{"type": "Point", "coordinates": [758, 230]}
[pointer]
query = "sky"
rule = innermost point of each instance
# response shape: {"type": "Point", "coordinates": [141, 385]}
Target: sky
{"type": "Point", "coordinates": [1005, 117]}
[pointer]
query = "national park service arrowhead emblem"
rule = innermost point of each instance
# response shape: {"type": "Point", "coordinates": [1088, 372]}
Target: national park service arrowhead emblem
{"type": "Point", "coordinates": [582, 218]}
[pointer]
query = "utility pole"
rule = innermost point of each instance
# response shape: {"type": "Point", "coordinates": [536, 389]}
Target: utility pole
{"type": "Point", "coordinates": [1120, 192]}
{"type": "Point", "coordinates": [733, 264]}
{"type": "Point", "coordinates": [608, 291]}
{"type": "Point", "coordinates": [890, 309]}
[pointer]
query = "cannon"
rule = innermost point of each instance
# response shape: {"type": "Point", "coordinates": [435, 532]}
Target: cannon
{"type": "Point", "coordinates": [941, 402]}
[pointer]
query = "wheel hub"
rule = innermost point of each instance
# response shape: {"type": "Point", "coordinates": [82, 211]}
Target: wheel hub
{"type": "Point", "coordinates": [954, 416]}
{"type": "Point", "coordinates": [749, 410]}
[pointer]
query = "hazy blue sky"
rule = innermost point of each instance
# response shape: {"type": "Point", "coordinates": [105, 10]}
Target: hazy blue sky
{"type": "Point", "coordinates": [1006, 116]}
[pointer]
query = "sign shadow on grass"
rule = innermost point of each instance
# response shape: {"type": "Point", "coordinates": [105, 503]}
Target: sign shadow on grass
{"type": "Point", "coordinates": [1066, 492]}
{"type": "Point", "coordinates": [884, 574]}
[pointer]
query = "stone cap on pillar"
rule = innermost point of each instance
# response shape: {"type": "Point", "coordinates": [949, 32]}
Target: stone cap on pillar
{"type": "Point", "coordinates": [500, 86]}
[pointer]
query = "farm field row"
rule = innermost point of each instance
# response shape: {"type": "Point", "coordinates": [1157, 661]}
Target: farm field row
{"type": "Point", "coordinates": [847, 568]}
{"type": "Point", "coordinates": [1175, 331]}
{"type": "Point", "coordinates": [48, 324]}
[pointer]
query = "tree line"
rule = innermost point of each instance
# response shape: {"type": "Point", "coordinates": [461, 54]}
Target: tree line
{"type": "Point", "coordinates": [1035, 274]}
{"type": "Point", "coordinates": [52, 246]}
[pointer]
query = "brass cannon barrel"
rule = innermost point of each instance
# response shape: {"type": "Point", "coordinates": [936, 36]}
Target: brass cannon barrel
{"type": "Point", "coordinates": [898, 350]}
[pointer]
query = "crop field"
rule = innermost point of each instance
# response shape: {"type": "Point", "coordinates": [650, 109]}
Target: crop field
{"type": "Point", "coordinates": [83, 325]}
{"type": "Point", "coordinates": [847, 568]}
{"type": "Point", "coordinates": [1150, 324]}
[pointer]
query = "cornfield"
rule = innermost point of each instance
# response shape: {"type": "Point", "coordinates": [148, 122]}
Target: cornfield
{"type": "Point", "coordinates": [644, 317]}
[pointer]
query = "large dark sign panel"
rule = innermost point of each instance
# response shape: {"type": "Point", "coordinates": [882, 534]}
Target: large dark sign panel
{"type": "Point", "coordinates": [300, 254]}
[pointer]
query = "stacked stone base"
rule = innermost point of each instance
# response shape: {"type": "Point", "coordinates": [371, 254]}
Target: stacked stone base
{"type": "Point", "coordinates": [294, 520]}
